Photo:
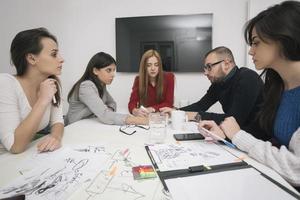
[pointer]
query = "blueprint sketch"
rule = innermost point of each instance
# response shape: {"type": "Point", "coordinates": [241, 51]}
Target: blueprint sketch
{"type": "Point", "coordinates": [85, 172]}
{"type": "Point", "coordinates": [58, 178]}
{"type": "Point", "coordinates": [183, 155]}
{"type": "Point", "coordinates": [116, 181]}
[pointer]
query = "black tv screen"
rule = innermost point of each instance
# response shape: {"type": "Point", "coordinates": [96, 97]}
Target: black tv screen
{"type": "Point", "coordinates": [181, 40]}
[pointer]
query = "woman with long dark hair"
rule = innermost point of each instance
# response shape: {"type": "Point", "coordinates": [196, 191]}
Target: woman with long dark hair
{"type": "Point", "coordinates": [30, 100]}
{"type": "Point", "coordinates": [90, 98]}
{"type": "Point", "coordinates": [153, 88]}
{"type": "Point", "coordinates": [274, 37]}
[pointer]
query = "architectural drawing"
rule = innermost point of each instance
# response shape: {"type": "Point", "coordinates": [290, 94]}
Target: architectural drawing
{"type": "Point", "coordinates": [93, 172]}
{"type": "Point", "coordinates": [57, 180]}
{"type": "Point", "coordinates": [184, 155]}
{"type": "Point", "coordinates": [116, 179]}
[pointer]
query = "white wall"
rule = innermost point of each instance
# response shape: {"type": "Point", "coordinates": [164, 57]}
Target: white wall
{"type": "Point", "coordinates": [254, 7]}
{"type": "Point", "coordinates": [84, 27]}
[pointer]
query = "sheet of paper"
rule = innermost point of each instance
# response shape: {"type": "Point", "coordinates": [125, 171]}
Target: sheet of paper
{"type": "Point", "coordinates": [84, 172]}
{"type": "Point", "coordinates": [57, 177]}
{"type": "Point", "coordinates": [245, 184]}
{"type": "Point", "coordinates": [36, 159]}
{"type": "Point", "coordinates": [116, 180]}
{"type": "Point", "coordinates": [183, 155]}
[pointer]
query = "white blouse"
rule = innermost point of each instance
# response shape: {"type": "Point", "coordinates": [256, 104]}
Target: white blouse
{"type": "Point", "coordinates": [14, 108]}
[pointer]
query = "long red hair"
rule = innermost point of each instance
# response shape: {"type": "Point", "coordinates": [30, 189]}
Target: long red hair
{"type": "Point", "coordinates": [144, 77]}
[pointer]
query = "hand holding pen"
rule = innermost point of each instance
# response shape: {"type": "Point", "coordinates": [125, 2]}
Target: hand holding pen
{"type": "Point", "coordinates": [142, 111]}
{"type": "Point", "coordinates": [212, 130]}
{"type": "Point", "coordinates": [47, 90]}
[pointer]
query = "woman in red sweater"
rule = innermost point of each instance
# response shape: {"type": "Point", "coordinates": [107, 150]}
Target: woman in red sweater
{"type": "Point", "coordinates": [153, 88]}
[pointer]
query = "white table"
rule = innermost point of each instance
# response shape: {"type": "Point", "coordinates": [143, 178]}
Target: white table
{"type": "Point", "coordinates": [90, 131]}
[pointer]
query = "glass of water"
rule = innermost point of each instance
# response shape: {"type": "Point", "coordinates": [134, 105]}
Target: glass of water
{"type": "Point", "coordinates": [158, 128]}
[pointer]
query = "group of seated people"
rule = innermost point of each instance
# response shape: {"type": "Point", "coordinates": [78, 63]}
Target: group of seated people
{"type": "Point", "coordinates": [261, 116]}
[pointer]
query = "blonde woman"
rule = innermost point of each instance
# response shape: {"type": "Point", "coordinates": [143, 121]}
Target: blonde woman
{"type": "Point", "coordinates": [153, 88]}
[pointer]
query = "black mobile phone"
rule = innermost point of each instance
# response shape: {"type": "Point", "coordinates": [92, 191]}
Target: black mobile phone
{"type": "Point", "coordinates": [188, 136]}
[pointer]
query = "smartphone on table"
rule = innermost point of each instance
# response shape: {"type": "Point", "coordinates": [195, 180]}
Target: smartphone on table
{"type": "Point", "coordinates": [188, 136]}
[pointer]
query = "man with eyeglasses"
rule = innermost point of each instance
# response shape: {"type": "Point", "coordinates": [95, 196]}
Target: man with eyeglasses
{"type": "Point", "coordinates": [239, 90]}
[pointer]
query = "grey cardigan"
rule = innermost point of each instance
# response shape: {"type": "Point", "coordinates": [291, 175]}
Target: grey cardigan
{"type": "Point", "coordinates": [86, 103]}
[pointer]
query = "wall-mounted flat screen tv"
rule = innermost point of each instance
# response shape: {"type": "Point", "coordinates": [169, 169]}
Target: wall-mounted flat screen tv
{"type": "Point", "coordinates": [181, 40]}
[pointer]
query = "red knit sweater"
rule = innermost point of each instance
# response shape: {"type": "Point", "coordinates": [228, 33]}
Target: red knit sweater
{"type": "Point", "coordinates": [168, 94]}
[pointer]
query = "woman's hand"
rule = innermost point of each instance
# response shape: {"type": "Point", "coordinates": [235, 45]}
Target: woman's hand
{"type": "Point", "coordinates": [139, 112]}
{"type": "Point", "coordinates": [212, 127]}
{"type": "Point", "coordinates": [230, 127]}
{"type": "Point", "coordinates": [166, 110]}
{"type": "Point", "coordinates": [150, 110]}
{"type": "Point", "coordinates": [49, 143]}
{"type": "Point", "coordinates": [47, 90]}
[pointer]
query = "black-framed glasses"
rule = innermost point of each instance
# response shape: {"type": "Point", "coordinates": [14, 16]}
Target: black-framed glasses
{"type": "Point", "coordinates": [208, 66]}
{"type": "Point", "coordinates": [130, 129]}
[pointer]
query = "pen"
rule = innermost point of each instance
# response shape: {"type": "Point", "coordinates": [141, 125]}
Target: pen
{"type": "Point", "coordinates": [229, 144]}
{"type": "Point", "coordinates": [207, 132]}
{"type": "Point", "coordinates": [54, 99]}
{"type": "Point", "coordinates": [145, 109]}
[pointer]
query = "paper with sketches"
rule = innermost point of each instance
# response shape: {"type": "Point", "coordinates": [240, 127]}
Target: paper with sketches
{"type": "Point", "coordinates": [116, 181]}
{"type": "Point", "coordinates": [36, 159]}
{"type": "Point", "coordinates": [58, 175]}
{"type": "Point", "coordinates": [183, 155]}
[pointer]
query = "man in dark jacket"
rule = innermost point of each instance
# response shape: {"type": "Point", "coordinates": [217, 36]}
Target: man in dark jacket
{"type": "Point", "coordinates": [239, 90]}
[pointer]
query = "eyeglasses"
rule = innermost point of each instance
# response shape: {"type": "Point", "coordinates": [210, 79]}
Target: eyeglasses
{"type": "Point", "coordinates": [127, 129]}
{"type": "Point", "coordinates": [208, 66]}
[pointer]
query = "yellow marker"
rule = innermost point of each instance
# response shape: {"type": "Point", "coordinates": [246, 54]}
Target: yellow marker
{"type": "Point", "coordinates": [113, 171]}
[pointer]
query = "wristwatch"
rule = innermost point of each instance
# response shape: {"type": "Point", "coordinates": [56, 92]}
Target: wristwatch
{"type": "Point", "coordinates": [197, 117]}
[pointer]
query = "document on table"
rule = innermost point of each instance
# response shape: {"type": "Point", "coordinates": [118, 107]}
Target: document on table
{"type": "Point", "coordinates": [247, 184]}
{"type": "Point", "coordinates": [36, 159]}
{"type": "Point", "coordinates": [169, 157]}
{"type": "Point", "coordinates": [59, 174]}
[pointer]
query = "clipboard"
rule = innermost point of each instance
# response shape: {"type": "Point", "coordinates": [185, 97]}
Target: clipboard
{"type": "Point", "coordinates": [194, 169]}
{"type": "Point", "coordinates": [191, 154]}
{"type": "Point", "coordinates": [214, 169]}
{"type": "Point", "coordinates": [227, 184]}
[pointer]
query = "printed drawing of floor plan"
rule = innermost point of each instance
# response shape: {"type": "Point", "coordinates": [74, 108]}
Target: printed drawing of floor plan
{"type": "Point", "coordinates": [84, 172]}
{"type": "Point", "coordinates": [115, 181]}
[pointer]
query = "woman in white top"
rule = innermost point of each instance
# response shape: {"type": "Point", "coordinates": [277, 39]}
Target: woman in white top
{"type": "Point", "coordinates": [30, 100]}
{"type": "Point", "coordinates": [274, 37]}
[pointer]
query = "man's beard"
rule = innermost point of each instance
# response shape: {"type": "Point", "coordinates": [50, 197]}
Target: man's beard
{"type": "Point", "coordinates": [219, 79]}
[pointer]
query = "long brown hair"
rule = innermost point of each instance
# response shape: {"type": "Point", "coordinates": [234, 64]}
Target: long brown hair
{"type": "Point", "coordinates": [144, 77]}
{"type": "Point", "coordinates": [277, 24]}
{"type": "Point", "coordinates": [98, 61]}
{"type": "Point", "coordinates": [29, 41]}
